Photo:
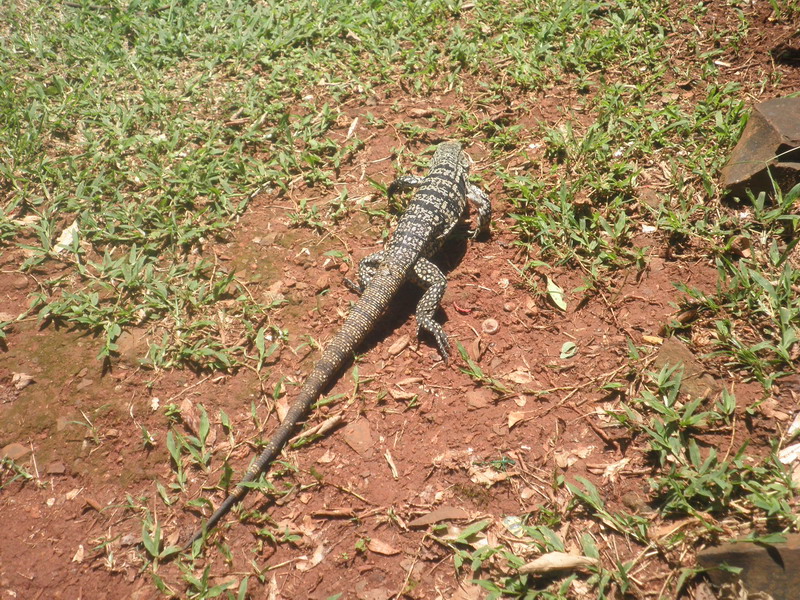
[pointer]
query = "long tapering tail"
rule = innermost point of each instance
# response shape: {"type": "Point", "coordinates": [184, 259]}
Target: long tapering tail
{"type": "Point", "coordinates": [361, 320]}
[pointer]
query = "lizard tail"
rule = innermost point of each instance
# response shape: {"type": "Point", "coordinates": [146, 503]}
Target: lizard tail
{"type": "Point", "coordinates": [361, 320]}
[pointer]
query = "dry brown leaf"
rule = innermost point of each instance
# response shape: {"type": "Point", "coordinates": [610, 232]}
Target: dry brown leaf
{"type": "Point", "coordinates": [520, 376]}
{"type": "Point", "coordinates": [380, 547]}
{"type": "Point", "coordinates": [282, 407]}
{"type": "Point", "coordinates": [316, 558]}
{"type": "Point", "coordinates": [21, 380]}
{"type": "Point", "coordinates": [516, 417]}
{"type": "Point", "coordinates": [558, 561]}
{"type": "Point", "coordinates": [487, 475]}
{"type": "Point", "coordinates": [401, 394]}
{"type": "Point", "coordinates": [189, 416]}
{"type": "Point", "coordinates": [444, 513]}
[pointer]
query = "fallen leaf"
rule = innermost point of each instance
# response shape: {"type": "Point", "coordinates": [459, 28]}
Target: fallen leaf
{"type": "Point", "coordinates": [556, 294]}
{"type": "Point", "coordinates": [568, 350]}
{"type": "Point", "coordinates": [520, 376]}
{"type": "Point", "coordinates": [380, 547]}
{"type": "Point", "coordinates": [316, 558]}
{"type": "Point", "coordinates": [282, 407]}
{"type": "Point", "coordinates": [516, 417]}
{"type": "Point", "coordinates": [444, 513]}
{"type": "Point", "coordinates": [190, 416]}
{"type": "Point", "coordinates": [558, 561]}
{"type": "Point", "coordinates": [21, 380]}
{"type": "Point", "coordinates": [79, 554]}
{"type": "Point", "coordinates": [789, 454]}
{"type": "Point", "coordinates": [66, 238]}
{"type": "Point", "coordinates": [487, 475]}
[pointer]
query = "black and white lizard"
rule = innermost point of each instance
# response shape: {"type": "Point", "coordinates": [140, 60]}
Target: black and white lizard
{"type": "Point", "coordinates": [436, 208]}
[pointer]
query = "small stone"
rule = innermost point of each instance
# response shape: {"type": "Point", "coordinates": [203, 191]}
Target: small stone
{"type": "Point", "coordinates": [85, 383]}
{"type": "Point", "coordinates": [509, 306]}
{"type": "Point", "coordinates": [358, 436]}
{"type": "Point", "coordinates": [322, 283]}
{"type": "Point", "coordinates": [14, 451]}
{"type": "Point", "coordinates": [56, 468]}
{"type": "Point", "coordinates": [477, 399]}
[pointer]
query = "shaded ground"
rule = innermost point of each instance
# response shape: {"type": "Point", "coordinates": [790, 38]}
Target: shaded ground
{"type": "Point", "coordinates": [73, 529]}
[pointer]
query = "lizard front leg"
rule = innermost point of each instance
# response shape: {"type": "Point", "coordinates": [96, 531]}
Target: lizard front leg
{"type": "Point", "coordinates": [404, 183]}
{"type": "Point", "coordinates": [428, 276]}
{"type": "Point", "coordinates": [484, 206]}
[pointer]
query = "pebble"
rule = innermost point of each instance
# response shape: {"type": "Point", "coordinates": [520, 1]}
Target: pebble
{"type": "Point", "coordinates": [56, 468]}
{"type": "Point", "coordinates": [14, 451]}
{"type": "Point", "coordinates": [322, 283]}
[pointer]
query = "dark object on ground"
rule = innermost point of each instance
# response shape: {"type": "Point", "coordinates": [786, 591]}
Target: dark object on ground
{"type": "Point", "coordinates": [772, 569]}
{"type": "Point", "coordinates": [770, 141]}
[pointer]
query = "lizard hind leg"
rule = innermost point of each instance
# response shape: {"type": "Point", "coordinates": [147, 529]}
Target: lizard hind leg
{"type": "Point", "coordinates": [366, 270]}
{"type": "Point", "coordinates": [428, 276]}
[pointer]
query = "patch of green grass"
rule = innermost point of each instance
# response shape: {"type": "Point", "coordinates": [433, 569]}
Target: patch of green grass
{"type": "Point", "coordinates": [146, 129]}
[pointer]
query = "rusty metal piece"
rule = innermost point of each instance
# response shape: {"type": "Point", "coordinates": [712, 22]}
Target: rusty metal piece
{"type": "Point", "coordinates": [770, 144]}
{"type": "Point", "coordinates": [772, 569]}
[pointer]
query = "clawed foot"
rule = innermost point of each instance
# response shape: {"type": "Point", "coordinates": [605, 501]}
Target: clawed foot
{"type": "Point", "coordinates": [354, 287]}
{"type": "Point", "coordinates": [440, 336]}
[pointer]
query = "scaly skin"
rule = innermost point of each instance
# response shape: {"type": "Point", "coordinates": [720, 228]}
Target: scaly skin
{"type": "Point", "coordinates": [434, 211]}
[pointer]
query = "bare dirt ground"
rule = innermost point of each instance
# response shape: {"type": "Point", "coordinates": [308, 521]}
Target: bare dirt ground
{"type": "Point", "coordinates": [410, 434]}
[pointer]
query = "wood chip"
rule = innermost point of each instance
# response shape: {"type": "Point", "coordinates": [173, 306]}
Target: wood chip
{"type": "Point", "coordinates": [399, 345]}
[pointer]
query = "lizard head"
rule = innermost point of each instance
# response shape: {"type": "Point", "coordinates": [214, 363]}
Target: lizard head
{"type": "Point", "coordinates": [446, 151]}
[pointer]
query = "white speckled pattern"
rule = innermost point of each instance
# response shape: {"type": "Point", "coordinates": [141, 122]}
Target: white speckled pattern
{"type": "Point", "coordinates": [438, 204]}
